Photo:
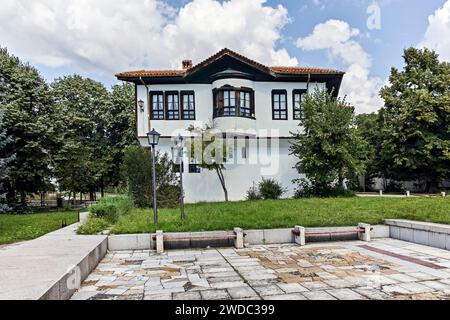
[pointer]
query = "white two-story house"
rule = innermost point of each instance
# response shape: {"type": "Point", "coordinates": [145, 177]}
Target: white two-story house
{"type": "Point", "coordinates": [256, 107]}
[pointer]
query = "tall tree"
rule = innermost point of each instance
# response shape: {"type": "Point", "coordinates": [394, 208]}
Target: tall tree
{"type": "Point", "coordinates": [209, 151]}
{"type": "Point", "coordinates": [328, 146]}
{"type": "Point", "coordinates": [5, 159]}
{"type": "Point", "coordinates": [83, 159]}
{"type": "Point", "coordinates": [25, 99]}
{"type": "Point", "coordinates": [121, 128]}
{"type": "Point", "coordinates": [416, 120]}
{"type": "Point", "coordinates": [369, 128]}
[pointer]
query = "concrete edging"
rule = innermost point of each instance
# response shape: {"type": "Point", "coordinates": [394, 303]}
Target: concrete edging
{"type": "Point", "coordinates": [124, 242]}
{"type": "Point", "coordinates": [425, 233]}
{"type": "Point", "coordinates": [61, 289]}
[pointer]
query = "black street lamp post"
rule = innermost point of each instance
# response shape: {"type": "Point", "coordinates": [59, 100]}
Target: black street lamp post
{"type": "Point", "coordinates": [153, 140]}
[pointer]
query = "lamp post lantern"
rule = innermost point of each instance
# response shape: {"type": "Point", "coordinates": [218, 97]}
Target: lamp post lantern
{"type": "Point", "coordinates": [177, 156]}
{"type": "Point", "coordinates": [153, 140]}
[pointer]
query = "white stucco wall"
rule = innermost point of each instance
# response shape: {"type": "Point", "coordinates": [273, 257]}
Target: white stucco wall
{"type": "Point", "coordinates": [205, 186]}
{"type": "Point", "coordinates": [204, 107]}
{"type": "Point", "coordinates": [277, 164]}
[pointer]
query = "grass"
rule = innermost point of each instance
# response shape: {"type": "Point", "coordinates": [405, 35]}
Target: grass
{"type": "Point", "coordinates": [286, 213]}
{"type": "Point", "coordinates": [14, 228]}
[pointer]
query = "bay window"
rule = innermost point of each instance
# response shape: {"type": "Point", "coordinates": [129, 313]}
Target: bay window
{"type": "Point", "coordinates": [234, 102]}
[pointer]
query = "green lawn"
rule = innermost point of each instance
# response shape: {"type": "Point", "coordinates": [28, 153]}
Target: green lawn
{"type": "Point", "coordinates": [15, 228]}
{"type": "Point", "coordinates": [287, 213]}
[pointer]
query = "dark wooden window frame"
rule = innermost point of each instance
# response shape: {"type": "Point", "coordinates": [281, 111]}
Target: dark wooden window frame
{"type": "Point", "coordinates": [160, 112]}
{"type": "Point", "coordinates": [187, 111]}
{"type": "Point", "coordinates": [296, 108]}
{"type": "Point", "coordinates": [219, 102]}
{"type": "Point", "coordinates": [279, 92]}
{"type": "Point", "coordinates": [170, 113]}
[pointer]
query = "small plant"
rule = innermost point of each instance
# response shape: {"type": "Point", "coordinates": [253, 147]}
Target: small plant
{"type": "Point", "coordinates": [253, 193]}
{"type": "Point", "coordinates": [270, 189]}
{"type": "Point", "coordinates": [111, 208]}
{"type": "Point", "coordinates": [93, 226]}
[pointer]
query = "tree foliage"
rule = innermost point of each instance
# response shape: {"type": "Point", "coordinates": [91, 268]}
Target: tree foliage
{"type": "Point", "coordinates": [121, 129]}
{"type": "Point", "coordinates": [416, 120]}
{"type": "Point", "coordinates": [137, 171]}
{"type": "Point", "coordinates": [28, 117]}
{"type": "Point", "coordinates": [5, 159]}
{"type": "Point", "coordinates": [83, 158]}
{"type": "Point", "coordinates": [328, 146]}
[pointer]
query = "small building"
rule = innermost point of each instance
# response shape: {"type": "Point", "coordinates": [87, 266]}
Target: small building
{"type": "Point", "coordinates": [254, 106]}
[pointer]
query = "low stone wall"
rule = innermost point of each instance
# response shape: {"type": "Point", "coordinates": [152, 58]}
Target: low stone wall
{"type": "Point", "coordinates": [253, 237]}
{"type": "Point", "coordinates": [426, 233]}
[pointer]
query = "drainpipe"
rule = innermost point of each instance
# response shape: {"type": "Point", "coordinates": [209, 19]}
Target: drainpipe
{"type": "Point", "coordinates": [148, 102]}
{"type": "Point", "coordinates": [307, 85]}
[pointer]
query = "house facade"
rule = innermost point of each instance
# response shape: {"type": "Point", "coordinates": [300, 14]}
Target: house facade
{"type": "Point", "coordinates": [252, 106]}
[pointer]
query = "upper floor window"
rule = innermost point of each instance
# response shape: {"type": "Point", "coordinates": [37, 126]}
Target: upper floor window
{"type": "Point", "coordinates": [234, 102]}
{"type": "Point", "coordinates": [172, 105]}
{"type": "Point", "coordinates": [279, 105]}
{"type": "Point", "coordinates": [157, 105]}
{"type": "Point", "coordinates": [187, 105]}
{"type": "Point", "coordinates": [297, 97]}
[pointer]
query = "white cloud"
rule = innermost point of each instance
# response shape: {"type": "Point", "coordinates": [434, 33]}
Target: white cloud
{"type": "Point", "coordinates": [106, 36]}
{"type": "Point", "coordinates": [338, 38]}
{"type": "Point", "coordinates": [437, 34]}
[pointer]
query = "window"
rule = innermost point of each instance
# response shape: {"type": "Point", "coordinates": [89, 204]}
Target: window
{"type": "Point", "coordinates": [297, 96]}
{"type": "Point", "coordinates": [157, 104]}
{"type": "Point", "coordinates": [194, 168]}
{"type": "Point", "coordinates": [234, 102]}
{"type": "Point", "coordinates": [187, 105]}
{"type": "Point", "coordinates": [279, 105]}
{"type": "Point", "coordinates": [172, 105]}
{"type": "Point", "coordinates": [176, 168]}
{"type": "Point", "coordinates": [229, 103]}
{"type": "Point", "coordinates": [245, 106]}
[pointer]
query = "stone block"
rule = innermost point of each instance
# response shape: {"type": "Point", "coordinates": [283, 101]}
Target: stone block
{"type": "Point", "coordinates": [239, 241]}
{"type": "Point", "coordinates": [364, 236]}
{"type": "Point", "coordinates": [159, 241]}
{"type": "Point", "coordinates": [300, 238]}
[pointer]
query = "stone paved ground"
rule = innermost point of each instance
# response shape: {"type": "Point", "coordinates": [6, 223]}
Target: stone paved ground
{"type": "Point", "coordinates": [387, 269]}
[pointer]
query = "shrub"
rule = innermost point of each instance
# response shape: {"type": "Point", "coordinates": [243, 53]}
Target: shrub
{"type": "Point", "coordinates": [110, 208]}
{"type": "Point", "coordinates": [137, 171]}
{"type": "Point", "coordinates": [307, 190]}
{"type": "Point", "coordinates": [93, 225]}
{"type": "Point", "coordinates": [253, 193]}
{"type": "Point", "coordinates": [270, 189]}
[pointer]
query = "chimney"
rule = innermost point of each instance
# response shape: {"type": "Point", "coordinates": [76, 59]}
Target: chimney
{"type": "Point", "coordinates": [187, 64]}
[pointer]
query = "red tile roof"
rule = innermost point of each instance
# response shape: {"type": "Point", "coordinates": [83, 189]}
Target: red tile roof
{"type": "Point", "coordinates": [151, 73]}
{"type": "Point", "coordinates": [217, 56]}
{"type": "Point", "coordinates": [294, 70]}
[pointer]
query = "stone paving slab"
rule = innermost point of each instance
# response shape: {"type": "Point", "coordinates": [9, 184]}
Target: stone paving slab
{"type": "Point", "coordinates": [325, 271]}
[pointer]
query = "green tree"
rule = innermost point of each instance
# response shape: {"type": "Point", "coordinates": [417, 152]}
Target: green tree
{"type": "Point", "coordinates": [83, 159]}
{"type": "Point", "coordinates": [5, 159]}
{"type": "Point", "coordinates": [137, 171]}
{"type": "Point", "coordinates": [369, 129]}
{"type": "Point", "coordinates": [28, 117]}
{"type": "Point", "coordinates": [209, 151]}
{"type": "Point", "coordinates": [328, 146]}
{"type": "Point", "coordinates": [121, 128]}
{"type": "Point", "coordinates": [416, 120]}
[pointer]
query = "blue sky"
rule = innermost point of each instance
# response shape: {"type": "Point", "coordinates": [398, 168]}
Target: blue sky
{"type": "Point", "coordinates": [98, 38]}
